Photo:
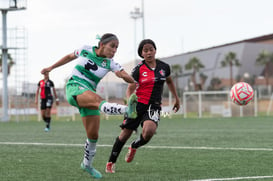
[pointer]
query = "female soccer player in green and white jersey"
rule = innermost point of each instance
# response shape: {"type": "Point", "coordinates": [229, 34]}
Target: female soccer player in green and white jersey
{"type": "Point", "coordinates": [94, 62]}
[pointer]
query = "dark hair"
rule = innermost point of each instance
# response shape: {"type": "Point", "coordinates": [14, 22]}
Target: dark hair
{"type": "Point", "coordinates": [142, 43]}
{"type": "Point", "coordinates": [107, 37]}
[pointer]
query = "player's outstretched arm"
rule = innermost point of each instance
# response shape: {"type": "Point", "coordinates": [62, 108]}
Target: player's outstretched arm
{"type": "Point", "coordinates": [125, 76]}
{"type": "Point", "coordinates": [61, 62]}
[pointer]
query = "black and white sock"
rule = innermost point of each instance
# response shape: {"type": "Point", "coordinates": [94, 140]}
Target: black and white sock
{"type": "Point", "coordinates": [112, 108]}
{"type": "Point", "coordinates": [89, 152]}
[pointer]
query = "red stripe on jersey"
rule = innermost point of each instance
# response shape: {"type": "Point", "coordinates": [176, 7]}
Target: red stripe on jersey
{"type": "Point", "coordinates": [45, 87]}
{"type": "Point", "coordinates": [42, 87]}
{"type": "Point", "coordinates": [146, 84]}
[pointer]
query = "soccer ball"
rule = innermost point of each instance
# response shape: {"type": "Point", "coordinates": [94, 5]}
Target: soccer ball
{"type": "Point", "coordinates": [241, 93]}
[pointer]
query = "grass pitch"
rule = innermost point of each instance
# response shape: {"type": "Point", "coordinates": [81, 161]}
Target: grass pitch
{"type": "Point", "coordinates": [182, 149]}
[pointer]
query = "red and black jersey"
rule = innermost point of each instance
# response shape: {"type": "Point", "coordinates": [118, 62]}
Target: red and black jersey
{"type": "Point", "coordinates": [150, 82]}
{"type": "Point", "coordinates": [45, 87]}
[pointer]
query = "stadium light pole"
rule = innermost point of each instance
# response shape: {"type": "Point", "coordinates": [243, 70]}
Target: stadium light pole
{"type": "Point", "coordinates": [143, 20]}
{"type": "Point", "coordinates": [5, 116]}
{"type": "Point", "coordinates": [14, 7]}
{"type": "Point", "coordinates": [136, 14]}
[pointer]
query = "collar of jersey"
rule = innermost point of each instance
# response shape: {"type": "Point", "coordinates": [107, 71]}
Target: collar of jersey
{"type": "Point", "coordinates": [98, 60]}
{"type": "Point", "coordinates": [95, 56]}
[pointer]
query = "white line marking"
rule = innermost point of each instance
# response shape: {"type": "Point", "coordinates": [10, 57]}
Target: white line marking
{"type": "Point", "coordinates": [235, 178]}
{"type": "Point", "coordinates": [151, 147]}
{"type": "Point", "coordinates": [210, 148]}
{"type": "Point", "coordinates": [162, 147]}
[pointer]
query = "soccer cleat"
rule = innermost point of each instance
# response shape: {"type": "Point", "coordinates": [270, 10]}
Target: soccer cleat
{"type": "Point", "coordinates": [47, 129]}
{"type": "Point", "coordinates": [92, 171]}
{"type": "Point", "coordinates": [110, 167]}
{"type": "Point", "coordinates": [131, 109]}
{"type": "Point", "coordinates": [130, 154]}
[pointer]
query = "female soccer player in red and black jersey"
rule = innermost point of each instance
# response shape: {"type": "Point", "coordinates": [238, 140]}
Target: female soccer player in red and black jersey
{"type": "Point", "coordinates": [45, 88]}
{"type": "Point", "coordinates": [149, 76]}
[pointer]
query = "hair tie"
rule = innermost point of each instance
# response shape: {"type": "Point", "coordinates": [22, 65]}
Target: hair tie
{"type": "Point", "coordinates": [98, 37]}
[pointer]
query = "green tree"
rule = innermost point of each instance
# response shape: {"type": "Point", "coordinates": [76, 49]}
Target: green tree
{"type": "Point", "coordinates": [203, 77]}
{"type": "Point", "coordinates": [265, 58]}
{"type": "Point", "coordinates": [230, 60]}
{"type": "Point", "coordinates": [195, 64]}
{"type": "Point", "coordinates": [176, 72]}
{"type": "Point", "coordinates": [215, 83]}
{"type": "Point", "coordinates": [10, 63]}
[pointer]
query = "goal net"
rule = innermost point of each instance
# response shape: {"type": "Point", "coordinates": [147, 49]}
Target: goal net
{"type": "Point", "coordinates": [215, 104]}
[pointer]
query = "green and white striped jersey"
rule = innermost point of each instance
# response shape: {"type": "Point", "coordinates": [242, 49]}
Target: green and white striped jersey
{"type": "Point", "coordinates": [92, 68]}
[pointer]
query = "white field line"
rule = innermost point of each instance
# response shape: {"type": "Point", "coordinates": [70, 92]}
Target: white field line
{"type": "Point", "coordinates": [235, 178]}
{"type": "Point", "coordinates": [151, 147]}
{"type": "Point", "coordinates": [162, 147]}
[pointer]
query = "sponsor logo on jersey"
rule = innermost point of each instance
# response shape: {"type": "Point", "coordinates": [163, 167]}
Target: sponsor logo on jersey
{"type": "Point", "coordinates": [81, 88]}
{"type": "Point", "coordinates": [144, 74]}
{"type": "Point", "coordinates": [85, 54]}
{"type": "Point", "coordinates": [144, 80]}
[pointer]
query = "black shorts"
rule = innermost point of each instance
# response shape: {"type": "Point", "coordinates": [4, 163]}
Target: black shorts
{"type": "Point", "coordinates": [144, 112]}
{"type": "Point", "coordinates": [46, 103]}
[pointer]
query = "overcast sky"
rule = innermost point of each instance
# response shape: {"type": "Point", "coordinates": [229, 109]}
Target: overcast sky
{"type": "Point", "coordinates": [57, 27]}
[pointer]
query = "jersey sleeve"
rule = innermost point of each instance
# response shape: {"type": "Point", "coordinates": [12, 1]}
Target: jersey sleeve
{"type": "Point", "coordinates": [135, 73]}
{"type": "Point", "coordinates": [168, 70]}
{"type": "Point", "coordinates": [52, 83]}
{"type": "Point", "coordinates": [115, 66]}
{"type": "Point", "coordinates": [78, 51]}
